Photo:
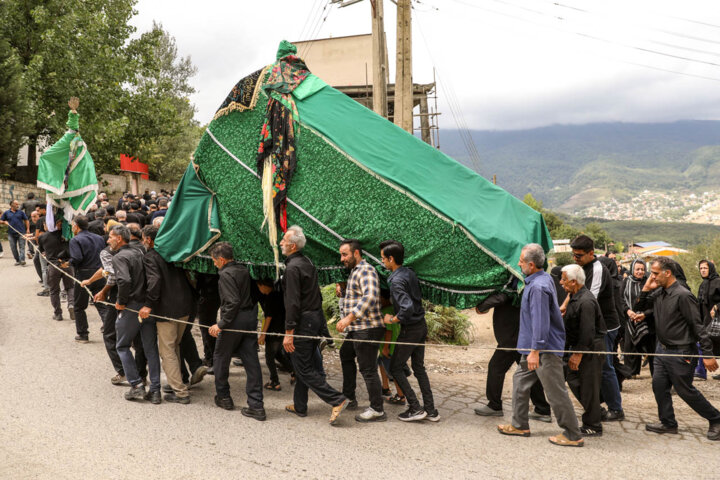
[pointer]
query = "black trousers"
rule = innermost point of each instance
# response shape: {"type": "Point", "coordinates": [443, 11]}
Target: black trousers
{"type": "Point", "coordinates": [207, 313]}
{"type": "Point", "coordinates": [108, 317]}
{"type": "Point", "coordinates": [679, 372]}
{"type": "Point", "coordinates": [273, 348]}
{"type": "Point", "coordinates": [82, 298]}
{"type": "Point", "coordinates": [499, 364]}
{"type": "Point", "coordinates": [634, 362]}
{"type": "Point", "coordinates": [585, 385]}
{"type": "Point", "coordinates": [366, 355]}
{"type": "Point", "coordinates": [189, 356]}
{"type": "Point", "coordinates": [416, 333]}
{"type": "Point", "coordinates": [245, 345]}
{"type": "Point", "coordinates": [307, 363]}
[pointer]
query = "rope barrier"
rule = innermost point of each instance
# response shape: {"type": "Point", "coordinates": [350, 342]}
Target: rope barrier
{"type": "Point", "coordinates": [355, 340]}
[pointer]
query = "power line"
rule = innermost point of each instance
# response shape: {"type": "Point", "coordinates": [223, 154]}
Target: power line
{"type": "Point", "coordinates": [317, 28]}
{"type": "Point", "coordinates": [312, 14]}
{"type": "Point", "coordinates": [514, 17]}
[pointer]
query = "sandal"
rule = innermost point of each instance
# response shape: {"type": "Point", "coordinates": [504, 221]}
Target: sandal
{"type": "Point", "coordinates": [563, 441]}
{"type": "Point", "coordinates": [511, 430]}
{"type": "Point", "coordinates": [397, 400]}
{"type": "Point", "coordinates": [273, 386]}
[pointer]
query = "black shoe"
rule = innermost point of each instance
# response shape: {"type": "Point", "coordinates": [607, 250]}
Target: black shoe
{"type": "Point", "coordinates": [154, 397]}
{"type": "Point", "coordinates": [352, 405]}
{"type": "Point", "coordinates": [198, 375]}
{"type": "Point", "coordinates": [135, 393]}
{"type": "Point", "coordinates": [256, 413]}
{"type": "Point", "coordinates": [43, 293]}
{"type": "Point", "coordinates": [433, 416]}
{"type": "Point", "coordinates": [82, 339]}
{"type": "Point", "coordinates": [172, 398]}
{"type": "Point", "coordinates": [590, 431]}
{"type": "Point", "coordinates": [714, 432]}
{"type": "Point", "coordinates": [71, 312]}
{"type": "Point", "coordinates": [58, 317]}
{"type": "Point", "coordinates": [167, 388]}
{"type": "Point", "coordinates": [225, 402]}
{"type": "Point", "coordinates": [237, 362]}
{"type": "Point", "coordinates": [614, 416]}
{"type": "Point", "coordinates": [660, 428]}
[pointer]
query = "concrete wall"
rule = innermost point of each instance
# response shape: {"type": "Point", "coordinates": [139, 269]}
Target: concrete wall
{"type": "Point", "coordinates": [113, 185]}
{"type": "Point", "coordinates": [11, 190]}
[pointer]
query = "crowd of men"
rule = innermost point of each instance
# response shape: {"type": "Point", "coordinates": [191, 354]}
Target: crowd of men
{"type": "Point", "coordinates": [565, 332]}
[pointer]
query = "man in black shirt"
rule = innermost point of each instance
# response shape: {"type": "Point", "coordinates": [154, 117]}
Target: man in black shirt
{"type": "Point", "coordinates": [237, 312]}
{"type": "Point", "coordinates": [273, 306]}
{"type": "Point", "coordinates": [410, 314]}
{"type": "Point", "coordinates": [57, 251]}
{"type": "Point", "coordinates": [584, 331]}
{"type": "Point", "coordinates": [97, 226]}
{"type": "Point", "coordinates": [600, 284]}
{"type": "Point", "coordinates": [678, 327]}
{"type": "Point", "coordinates": [304, 316]}
{"type": "Point", "coordinates": [85, 250]}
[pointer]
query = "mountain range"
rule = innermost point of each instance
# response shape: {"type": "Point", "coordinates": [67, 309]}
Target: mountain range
{"type": "Point", "coordinates": [570, 166]}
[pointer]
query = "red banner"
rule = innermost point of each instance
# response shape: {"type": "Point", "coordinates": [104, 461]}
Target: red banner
{"type": "Point", "coordinates": [132, 164]}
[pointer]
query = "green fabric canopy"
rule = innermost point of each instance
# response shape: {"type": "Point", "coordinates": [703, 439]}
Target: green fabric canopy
{"type": "Point", "coordinates": [358, 176]}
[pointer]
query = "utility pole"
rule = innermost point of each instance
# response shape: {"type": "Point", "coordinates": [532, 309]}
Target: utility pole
{"type": "Point", "coordinates": [380, 73]}
{"type": "Point", "coordinates": [403, 71]}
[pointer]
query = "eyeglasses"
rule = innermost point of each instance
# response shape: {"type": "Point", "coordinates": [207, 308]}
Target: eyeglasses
{"type": "Point", "coordinates": [579, 255]}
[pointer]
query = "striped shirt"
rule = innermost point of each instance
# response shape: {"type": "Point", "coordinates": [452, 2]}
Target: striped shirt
{"type": "Point", "coordinates": [362, 298]}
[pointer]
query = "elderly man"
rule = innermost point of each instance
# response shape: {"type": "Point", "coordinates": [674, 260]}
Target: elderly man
{"type": "Point", "coordinates": [238, 311]}
{"type": "Point", "coordinates": [600, 283]}
{"type": "Point", "coordinates": [362, 320]}
{"type": "Point", "coordinates": [585, 331]}
{"type": "Point", "coordinates": [678, 327]}
{"type": "Point", "coordinates": [304, 316]}
{"type": "Point", "coordinates": [541, 328]}
{"type": "Point", "coordinates": [18, 225]}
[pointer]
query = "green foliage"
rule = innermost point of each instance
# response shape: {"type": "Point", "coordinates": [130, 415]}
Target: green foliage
{"type": "Point", "coordinates": [133, 92]}
{"type": "Point", "coordinates": [564, 258]}
{"type": "Point", "coordinates": [683, 235]}
{"type": "Point", "coordinates": [446, 324]}
{"type": "Point", "coordinates": [598, 234]}
{"type": "Point", "coordinates": [13, 107]}
{"type": "Point", "coordinates": [555, 224]}
{"type": "Point", "coordinates": [708, 250]}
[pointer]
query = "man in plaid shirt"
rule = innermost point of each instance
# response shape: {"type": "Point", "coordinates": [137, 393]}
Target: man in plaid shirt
{"type": "Point", "coordinates": [361, 320]}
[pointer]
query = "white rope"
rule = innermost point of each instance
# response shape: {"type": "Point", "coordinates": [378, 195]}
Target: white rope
{"type": "Point", "coordinates": [355, 340]}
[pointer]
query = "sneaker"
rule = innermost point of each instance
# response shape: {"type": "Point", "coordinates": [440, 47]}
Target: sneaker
{"type": "Point", "coordinates": [82, 339]}
{"type": "Point", "coordinates": [135, 393]}
{"type": "Point", "coordinates": [172, 398]}
{"type": "Point", "coordinates": [697, 376]}
{"type": "Point", "coordinates": [256, 413]}
{"type": "Point", "coordinates": [590, 431]}
{"type": "Point", "coordinates": [58, 317]}
{"type": "Point", "coordinates": [17, 263]}
{"type": "Point", "coordinates": [168, 389]}
{"type": "Point", "coordinates": [154, 397]}
{"type": "Point", "coordinates": [540, 417]}
{"type": "Point", "coordinates": [23, 263]}
{"type": "Point", "coordinates": [71, 312]}
{"type": "Point", "coordinates": [371, 415]}
{"type": "Point", "coordinates": [486, 411]}
{"type": "Point", "coordinates": [198, 375]}
{"type": "Point", "coordinates": [411, 415]}
{"type": "Point", "coordinates": [118, 379]}
{"type": "Point", "coordinates": [337, 410]}
{"type": "Point", "coordinates": [433, 416]}
{"type": "Point", "coordinates": [43, 293]}
{"type": "Point", "coordinates": [224, 402]}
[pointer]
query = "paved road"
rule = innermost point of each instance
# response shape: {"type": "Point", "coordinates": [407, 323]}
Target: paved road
{"type": "Point", "coordinates": [61, 418]}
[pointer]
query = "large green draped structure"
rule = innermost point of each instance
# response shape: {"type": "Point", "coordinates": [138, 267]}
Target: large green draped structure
{"type": "Point", "coordinates": [357, 176]}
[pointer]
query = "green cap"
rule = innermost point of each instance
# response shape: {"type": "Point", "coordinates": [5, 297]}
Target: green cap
{"type": "Point", "coordinates": [286, 48]}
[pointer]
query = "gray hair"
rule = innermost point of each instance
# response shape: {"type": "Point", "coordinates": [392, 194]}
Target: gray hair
{"type": "Point", "coordinates": [157, 221]}
{"type": "Point", "coordinates": [534, 253]}
{"type": "Point", "coordinates": [297, 237]}
{"type": "Point", "coordinates": [574, 272]}
{"type": "Point", "coordinates": [121, 214]}
{"type": "Point", "coordinates": [123, 231]}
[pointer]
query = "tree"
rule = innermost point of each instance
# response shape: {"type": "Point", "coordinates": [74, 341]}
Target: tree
{"type": "Point", "coordinates": [599, 236]}
{"type": "Point", "coordinates": [558, 229]}
{"type": "Point", "coordinates": [13, 114]}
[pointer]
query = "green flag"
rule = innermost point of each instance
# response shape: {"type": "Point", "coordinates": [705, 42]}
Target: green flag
{"type": "Point", "coordinates": [67, 173]}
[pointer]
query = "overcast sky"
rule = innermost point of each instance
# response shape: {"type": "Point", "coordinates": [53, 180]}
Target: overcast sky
{"type": "Point", "coordinates": [508, 64]}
